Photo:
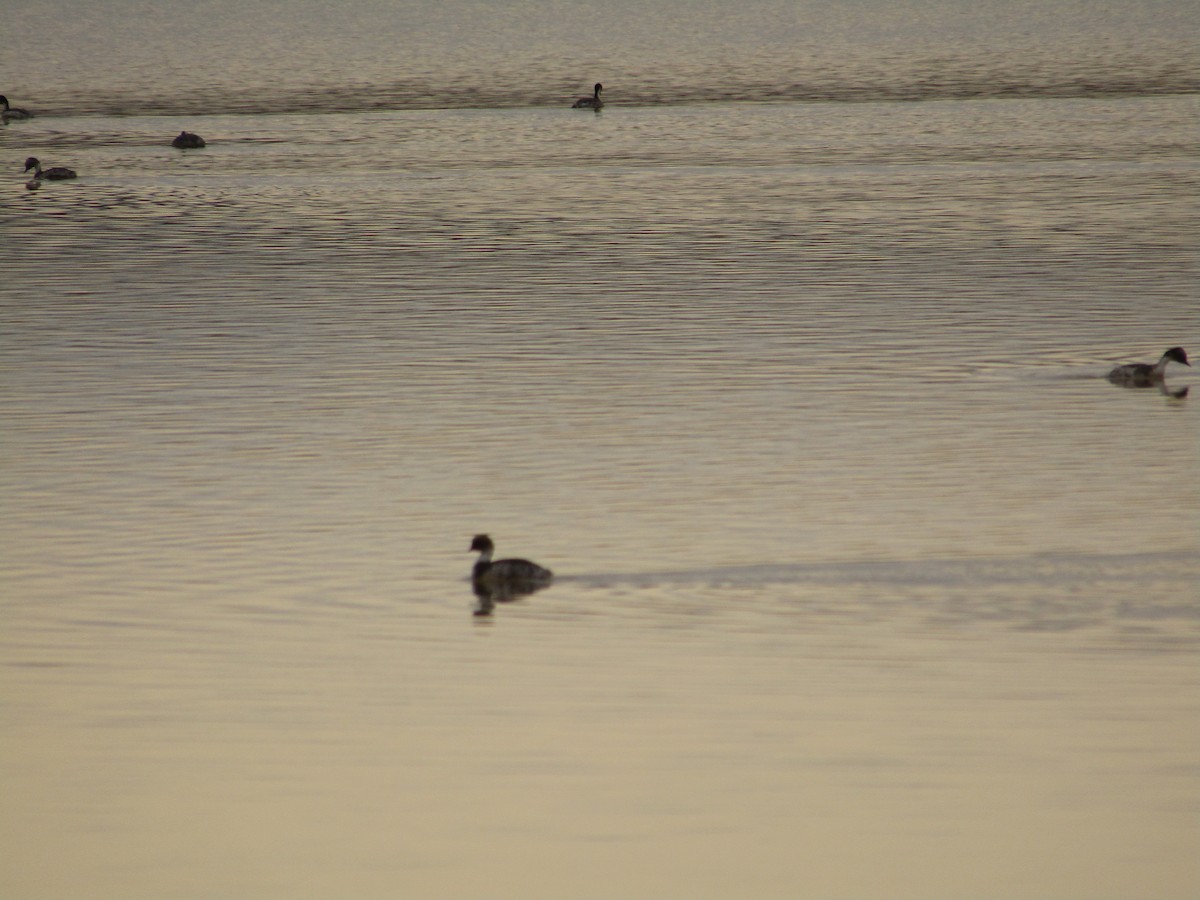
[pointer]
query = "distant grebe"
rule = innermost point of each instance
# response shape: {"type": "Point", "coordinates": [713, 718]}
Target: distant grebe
{"type": "Point", "coordinates": [188, 141]}
{"type": "Point", "coordinates": [58, 173]}
{"type": "Point", "coordinates": [504, 571]}
{"type": "Point", "coordinates": [13, 113]}
{"type": "Point", "coordinates": [592, 102]}
{"type": "Point", "coordinates": [1144, 375]}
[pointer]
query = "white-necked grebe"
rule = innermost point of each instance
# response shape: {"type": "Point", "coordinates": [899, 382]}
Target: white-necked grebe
{"type": "Point", "coordinates": [504, 571]}
{"type": "Point", "coordinates": [13, 113]}
{"type": "Point", "coordinates": [58, 173]}
{"type": "Point", "coordinates": [592, 102]}
{"type": "Point", "coordinates": [188, 141]}
{"type": "Point", "coordinates": [1145, 375]}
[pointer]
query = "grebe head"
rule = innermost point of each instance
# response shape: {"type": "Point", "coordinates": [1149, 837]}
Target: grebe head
{"type": "Point", "coordinates": [32, 163]}
{"type": "Point", "coordinates": [482, 543]}
{"type": "Point", "coordinates": [1177, 354]}
{"type": "Point", "coordinates": [597, 88]}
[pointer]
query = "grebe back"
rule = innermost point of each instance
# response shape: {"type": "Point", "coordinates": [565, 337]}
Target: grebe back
{"type": "Point", "coordinates": [188, 141]}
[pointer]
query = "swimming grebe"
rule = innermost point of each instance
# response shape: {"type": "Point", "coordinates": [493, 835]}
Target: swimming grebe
{"type": "Point", "coordinates": [592, 102]}
{"type": "Point", "coordinates": [505, 571]}
{"type": "Point", "coordinates": [13, 113]}
{"type": "Point", "coordinates": [58, 173]}
{"type": "Point", "coordinates": [188, 141]}
{"type": "Point", "coordinates": [1144, 375]}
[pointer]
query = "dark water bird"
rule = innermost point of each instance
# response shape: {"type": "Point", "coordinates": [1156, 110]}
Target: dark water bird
{"type": "Point", "coordinates": [188, 141]}
{"type": "Point", "coordinates": [58, 173]}
{"type": "Point", "coordinates": [504, 579]}
{"type": "Point", "coordinates": [1144, 374]}
{"type": "Point", "coordinates": [504, 571]}
{"type": "Point", "coordinates": [592, 102]}
{"type": "Point", "coordinates": [12, 113]}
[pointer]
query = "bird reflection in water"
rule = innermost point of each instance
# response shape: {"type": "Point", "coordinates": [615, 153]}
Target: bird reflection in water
{"type": "Point", "coordinates": [488, 594]}
{"type": "Point", "coordinates": [503, 580]}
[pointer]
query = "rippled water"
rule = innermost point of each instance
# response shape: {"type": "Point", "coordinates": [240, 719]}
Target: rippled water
{"type": "Point", "coordinates": [128, 57]}
{"type": "Point", "coordinates": [869, 584]}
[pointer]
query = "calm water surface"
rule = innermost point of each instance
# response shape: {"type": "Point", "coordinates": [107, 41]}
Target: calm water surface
{"type": "Point", "coordinates": [789, 363]}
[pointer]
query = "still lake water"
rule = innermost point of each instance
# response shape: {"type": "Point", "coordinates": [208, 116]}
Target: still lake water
{"type": "Point", "coordinates": [789, 363]}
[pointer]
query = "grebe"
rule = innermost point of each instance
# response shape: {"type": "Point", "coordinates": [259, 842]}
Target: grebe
{"type": "Point", "coordinates": [505, 572]}
{"type": "Point", "coordinates": [1144, 375]}
{"type": "Point", "coordinates": [58, 173]}
{"type": "Point", "coordinates": [13, 113]}
{"type": "Point", "coordinates": [188, 141]}
{"type": "Point", "coordinates": [592, 102]}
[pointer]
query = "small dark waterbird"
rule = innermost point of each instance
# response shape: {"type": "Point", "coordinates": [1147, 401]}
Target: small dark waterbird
{"type": "Point", "coordinates": [188, 141]}
{"type": "Point", "coordinates": [592, 102]}
{"type": "Point", "coordinates": [58, 173]}
{"type": "Point", "coordinates": [12, 113]}
{"type": "Point", "coordinates": [1144, 374]}
{"type": "Point", "coordinates": [504, 571]}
